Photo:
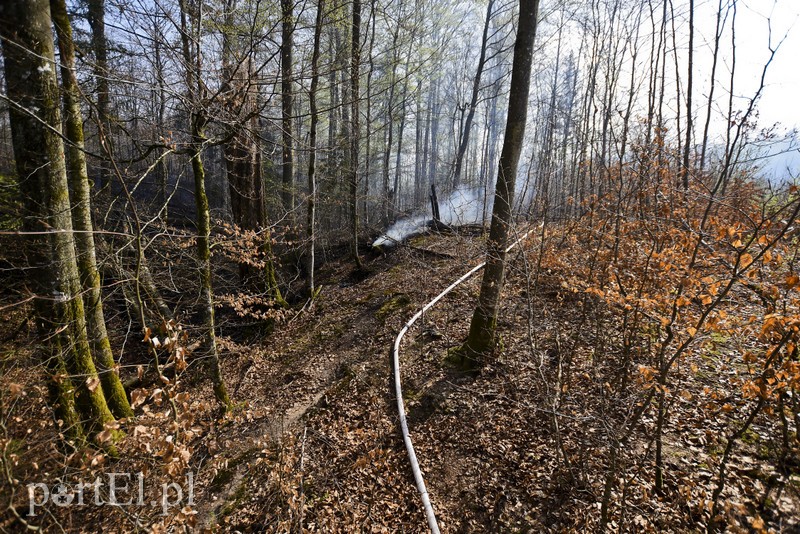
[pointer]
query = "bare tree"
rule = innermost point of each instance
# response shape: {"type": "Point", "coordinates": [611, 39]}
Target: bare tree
{"type": "Point", "coordinates": [482, 331]}
{"type": "Point", "coordinates": [287, 161]}
{"type": "Point", "coordinates": [190, 34]}
{"type": "Point", "coordinates": [312, 149]}
{"type": "Point", "coordinates": [82, 219]}
{"type": "Point", "coordinates": [355, 73]}
{"type": "Point", "coordinates": [28, 50]}
{"type": "Point", "coordinates": [473, 103]}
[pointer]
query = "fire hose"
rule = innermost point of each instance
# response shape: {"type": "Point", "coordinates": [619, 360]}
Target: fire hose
{"type": "Point", "coordinates": [412, 457]}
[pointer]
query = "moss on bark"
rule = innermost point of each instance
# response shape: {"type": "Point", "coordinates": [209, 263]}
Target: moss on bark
{"type": "Point", "coordinates": [204, 257]}
{"type": "Point", "coordinates": [82, 219]}
{"type": "Point", "coordinates": [28, 51]}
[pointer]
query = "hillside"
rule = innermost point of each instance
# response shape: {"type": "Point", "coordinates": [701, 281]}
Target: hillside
{"type": "Point", "coordinates": [313, 441]}
{"type": "Point", "coordinates": [392, 266]}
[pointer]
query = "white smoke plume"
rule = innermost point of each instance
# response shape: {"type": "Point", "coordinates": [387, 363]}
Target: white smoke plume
{"type": "Point", "coordinates": [402, 229]}
{"type": "Point", "coordinates": [463, 206]}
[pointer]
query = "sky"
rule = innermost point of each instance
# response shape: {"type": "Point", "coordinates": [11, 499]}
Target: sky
{"type": "Point", "coordinates": [781, 99]}
{"type": "Point", "coordinates": [760, 24]}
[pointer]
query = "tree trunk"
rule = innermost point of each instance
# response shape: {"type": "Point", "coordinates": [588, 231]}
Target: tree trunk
{"type": "Point", "coordinates": [426, 145]}
{"type": "Point", "coordinates": [689, 125]}
{"type": "Point", "coordinates": [28, 51]}
{"type": "Point", "coordinates": [162, 170]}
{"type": "Point", "coordinates": [82, 219]}
{"type": "Point", "coordinates": [418, 145]}
{"type": "Point", "coordinates": [388, 195]}
{"type": "Point", "coordinates": [473, 103]}
{"type": "Point", "coordinates": [482, 332]}
{"type": "Point", "coordinates": [312, 149]}
{"type": "Point", "coordinates": [433, 155]}
{"type": "Point", "coordinates": [204, 256]}
{"type": "Point", "coordinates": [342, 151]}
{"type": "Point", "coordinates": [355, 60]}
{"type": "Point", "coordinates": [242, 155]}
{"type": "Point", "coordinates": [287, 164]}
{"type": "Point", "coordinates": [398, 155]}
{"type": "Point", "coordinates": [96, 11]}
{"type": "Point", "coordinates": [713, 84]}
{"type": "Point", "coordinates": [368, 133]}
{"type": "Point", "coordinates": [197, 121]}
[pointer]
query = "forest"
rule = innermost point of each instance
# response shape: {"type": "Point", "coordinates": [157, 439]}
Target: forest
{"type": "Point", "coordinates": [399, 266]}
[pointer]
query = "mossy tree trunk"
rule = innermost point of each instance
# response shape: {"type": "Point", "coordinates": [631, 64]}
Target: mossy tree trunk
{"type": "Point", "coordinates": [61, 392]}
{"type": "Point", "coordinates": [270, 275]}
{"type": "Point", "coordinates": [28, 50]}
{"type": "Point", "coordinates": [204, 257]}
{"type": "Point", "coordinates": [482, 331]}
{"type": "Point", "coordinates": [197, 121]}
{"type": "Point", "coordinates": [82, 219]}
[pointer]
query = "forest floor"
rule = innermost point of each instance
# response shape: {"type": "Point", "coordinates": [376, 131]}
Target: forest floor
{"type": "Point", "coordinates": [313, 443]}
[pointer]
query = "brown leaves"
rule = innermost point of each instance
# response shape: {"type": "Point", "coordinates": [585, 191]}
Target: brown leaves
{"type": "Point", "coordinates": [92, 383]}
{"type": "Point", "coordinates": [758, 524]}
{"type": "Point", "coordinates": [792, 281]}
{"type": "Point", "coordinates": [750, 390]}
{"type": "Point", "coordinates": [648, 373]}
{"type": "Point", "coordinates": [138, 396]}
{"type": "Point", "coordinates": [104, 436]}
{"type": "Point", "coordinates": [16, 390]}
{"type": "Point", "coordinates": [257, 307]}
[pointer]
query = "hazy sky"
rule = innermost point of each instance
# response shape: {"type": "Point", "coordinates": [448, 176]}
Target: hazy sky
{"type": "Point", "coordinates": [781, 99]}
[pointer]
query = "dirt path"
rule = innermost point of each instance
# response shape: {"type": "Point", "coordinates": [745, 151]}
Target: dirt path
{"type": "Point", "coordinates": [324, 375]}
{"type": "Point", "coordinates": [293, 372]}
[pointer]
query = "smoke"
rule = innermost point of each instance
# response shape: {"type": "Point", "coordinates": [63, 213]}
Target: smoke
{"type": "Point", "coordinates": [402, 229]}
{"type": "Point", "coordinates": [463, 206]}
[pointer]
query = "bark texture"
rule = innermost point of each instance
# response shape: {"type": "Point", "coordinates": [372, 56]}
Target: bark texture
{"type": "Point", "coordinates": [28, 50]}
{"type": "Point", "coordinates": [82, 219]}
{"type": "Point", "coordinates": [287, 31]}
{"type": "Point", "coordinates": [312, 149]}
{"type": "Point", "coordinates": [355, 72]}
{"type": "Point", "coordinates": [482, 332]}
{"type": "Point", "coordinates": [197, 120]}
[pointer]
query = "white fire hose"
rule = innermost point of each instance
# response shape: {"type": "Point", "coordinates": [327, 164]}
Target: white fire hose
{"type": "Point", "coordinates": [412, 457]}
